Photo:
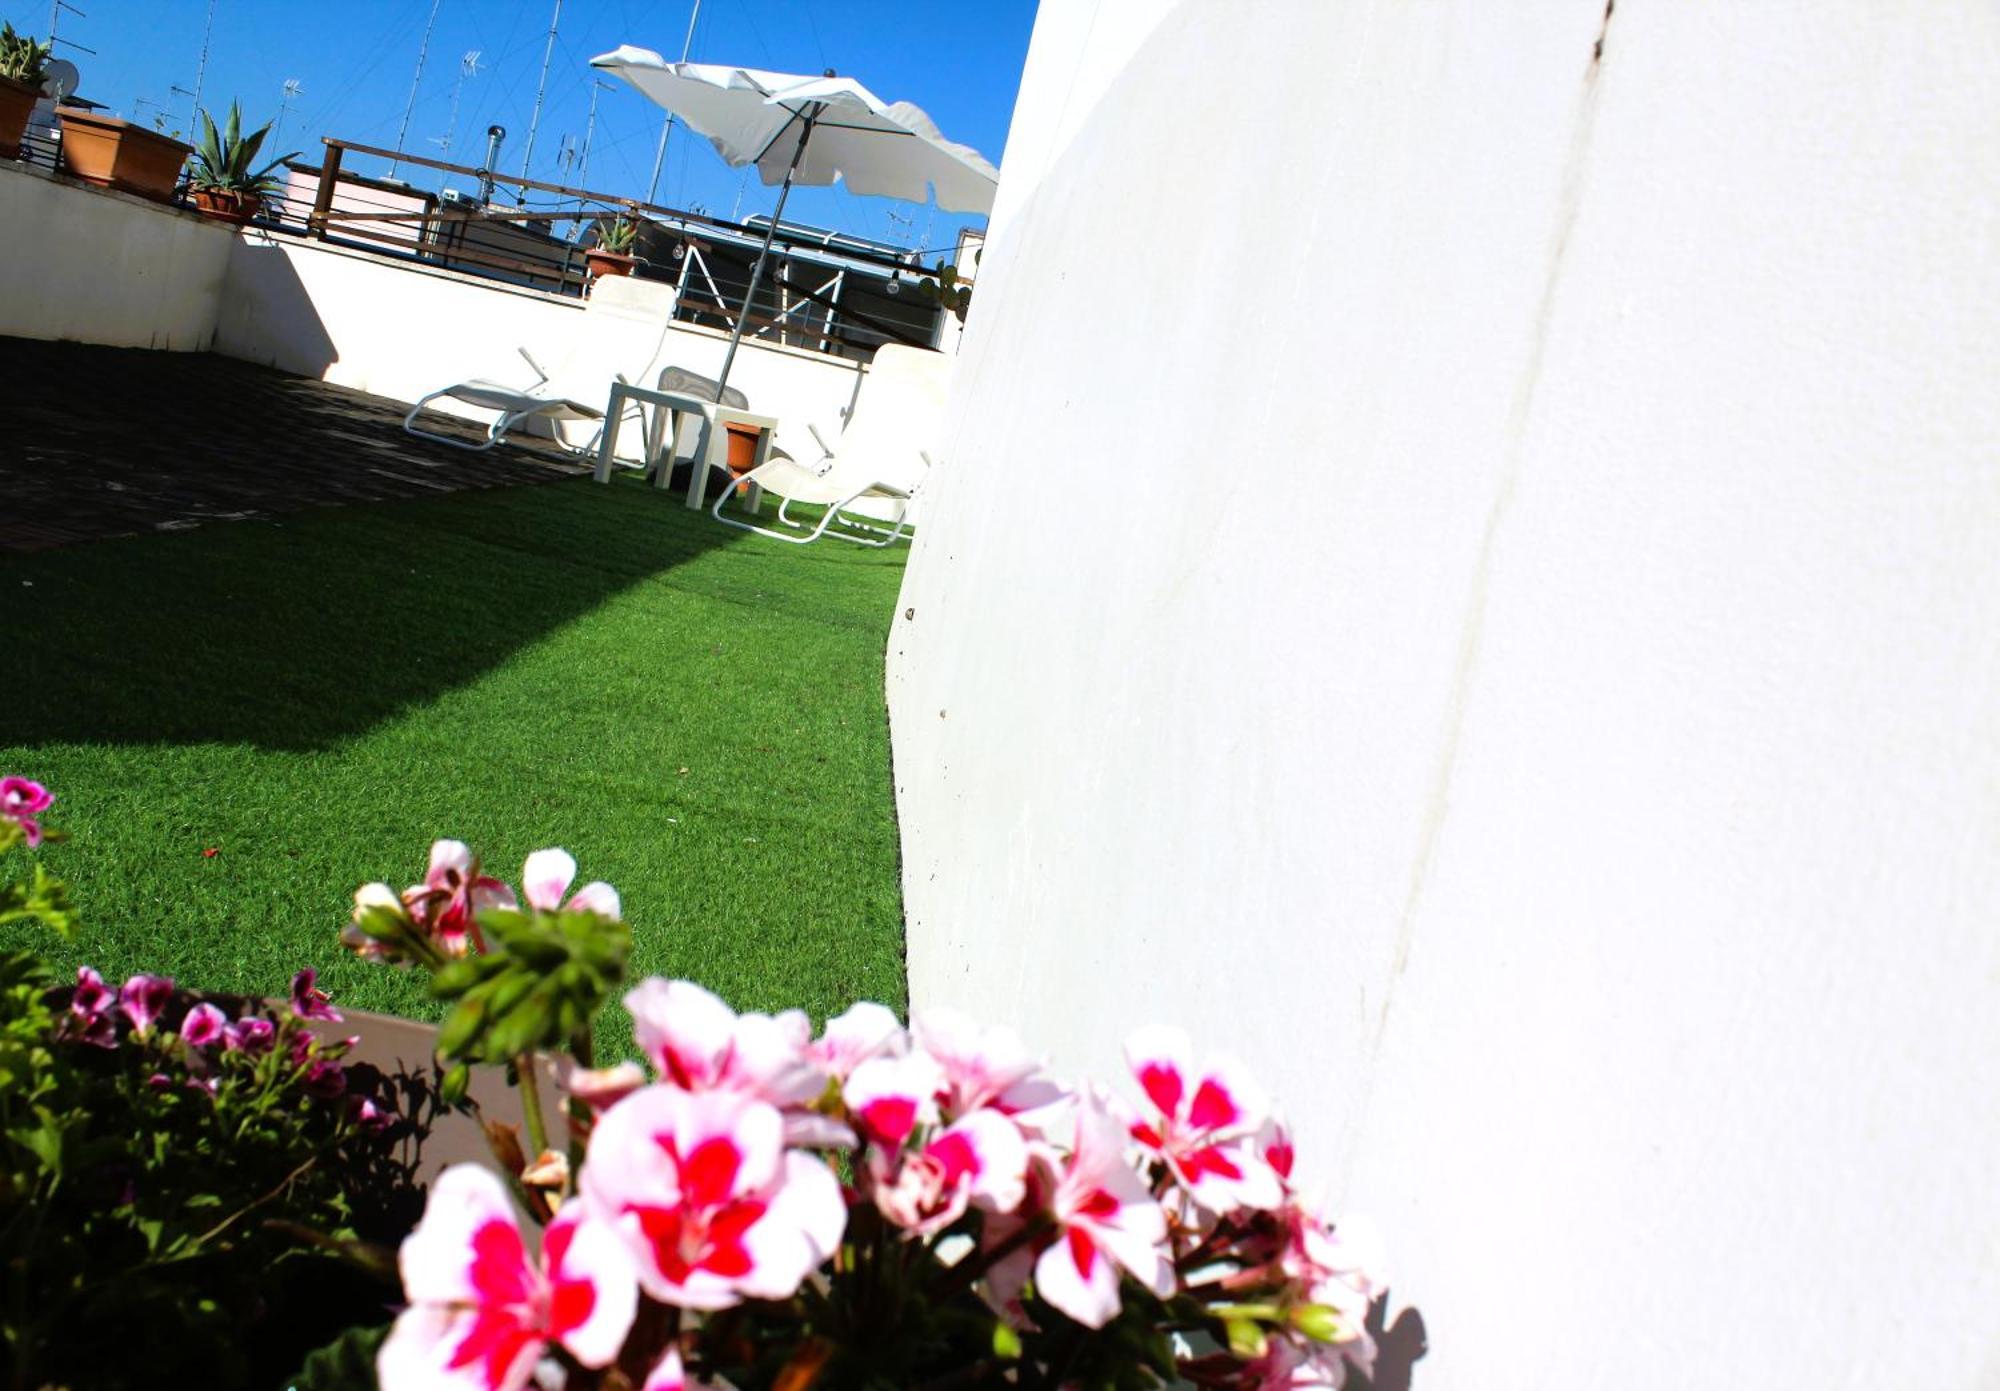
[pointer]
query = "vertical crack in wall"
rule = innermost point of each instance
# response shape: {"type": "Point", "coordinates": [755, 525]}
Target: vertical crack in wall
{"type": "Point", "coordinates": [1472, 630]}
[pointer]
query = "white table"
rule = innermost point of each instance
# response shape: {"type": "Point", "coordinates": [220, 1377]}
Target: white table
{"type": "Point", "coordinates": [663, 432]}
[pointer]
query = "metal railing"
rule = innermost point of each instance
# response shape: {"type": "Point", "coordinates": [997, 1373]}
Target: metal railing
{"type": "Point", "coordinates": [827, 293]}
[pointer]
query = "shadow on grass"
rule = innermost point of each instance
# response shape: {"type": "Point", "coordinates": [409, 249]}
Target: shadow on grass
{"type": "Point", "coordinates": [296, 633]}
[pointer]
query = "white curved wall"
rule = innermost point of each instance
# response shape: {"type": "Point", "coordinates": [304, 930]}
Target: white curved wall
{"type": "Point", "coordinates": [1496, 619]}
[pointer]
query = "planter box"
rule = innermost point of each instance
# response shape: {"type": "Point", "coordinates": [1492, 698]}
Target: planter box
{"type": "Point", "coordinates": [17, 100]}
{"type": "Point", "coordinates": [227, 205]}
{"type": "Point", "coordinates": [111, 153]}
{"type": "Point", "coordinates": [609, 262]}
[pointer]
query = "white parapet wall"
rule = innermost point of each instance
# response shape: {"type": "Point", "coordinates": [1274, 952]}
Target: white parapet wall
{"type": "Point", "coordinates": [384, 325]}
{"type": "Point", "coordinates": [87, 265]}
{"type": "Point", "coordinates": [1469, 575]}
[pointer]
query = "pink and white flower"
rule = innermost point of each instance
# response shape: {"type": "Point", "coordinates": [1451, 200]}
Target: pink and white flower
{"type": "Point", "coordinates": [980, 1159]}
{"type": "Point", "coordinates": [142, 998]}
{"type": "Point", "coordinates": [697, 1043]}
{"type": "Point", "coordinates": [602, 1087]}
{"type": "Point", "coordinates": [865, 1031]}
{"type": "Point", "coordinates": [712, 1207]}
{"type": "Point", "coordinates": [482, 1310]}
{"type": "Point", "coordinates": [21, 801]}
{"type": "Point", "coordinates": [1105, 1218]}
{"type": "Point", "coordinates": [546, 877]}
{"type": "Point", "coordinates": [889, 1098]}
{"type": "Point", "coordinates": [988, 1068]}
{"type": "Point", "coordinates": [453, 891]}
{"type": "Point", "coordinates": [203, 1025]}
{"type": "Point", "coordinates": [1204, 1124]}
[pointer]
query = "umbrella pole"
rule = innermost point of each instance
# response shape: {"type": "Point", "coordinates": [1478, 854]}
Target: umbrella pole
{"type": "Point", "coordinates": [764, 253]}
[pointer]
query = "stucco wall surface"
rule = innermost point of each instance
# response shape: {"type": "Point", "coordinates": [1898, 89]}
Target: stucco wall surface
{"type": "Point", "coordinates": [1497, 623]}
{"type": "Point", "coordinates": [88, 266]}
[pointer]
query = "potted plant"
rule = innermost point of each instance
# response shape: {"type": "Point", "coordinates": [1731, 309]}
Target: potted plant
{"type": "Point", "coordinates": [612, 255]}
{"type": "Point", "coordinates": [23, 64]}
{"type": "Point", "coordinates": [111, 153]}
{"type": "Point", "coordinates": [222, 183]}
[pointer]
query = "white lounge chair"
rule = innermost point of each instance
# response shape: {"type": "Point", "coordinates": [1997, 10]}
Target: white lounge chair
{"type": "Point", "coordinates": [620, 337]}
{"type": "Point", "coordinates": [868, 475]}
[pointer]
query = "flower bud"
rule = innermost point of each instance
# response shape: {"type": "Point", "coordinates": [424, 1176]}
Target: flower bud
{"type": "Point", "coordinates": [1322, 1323]}
{"type": "Point", "coordinates": [1006, 1342]}
{"type": "Point", "coordinates": [453, 1085]}
{"type": "Point", "coordinates": [1246, 1337]}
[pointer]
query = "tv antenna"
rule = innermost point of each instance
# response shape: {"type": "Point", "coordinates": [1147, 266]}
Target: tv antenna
{"type": "Point", "coordinates": [201, 68]}
{"type": "Point", "coordinates": [55, 17]}
{"type": "Point", "coordinates": [292, 90]}
{"type": "Point", "coordinates": [423, 49]}
{"type": "Point", "coordinates": [468, 66]}
{"type": "Point", "coordinates": [667, 126]}
{"type": "Point", "coordinates": [541, 90]}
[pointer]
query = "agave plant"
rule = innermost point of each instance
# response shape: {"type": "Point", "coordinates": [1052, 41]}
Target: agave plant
{"type": "Point", "coordinates": [222, 161]}
{"type": "Point", "coordinates": [21, 58]}
{"type": "Point", "coordinates": [616, 235]}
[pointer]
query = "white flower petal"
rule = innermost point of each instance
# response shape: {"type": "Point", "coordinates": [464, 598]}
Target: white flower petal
{"type": "Point", "coordinates": [545, 877]}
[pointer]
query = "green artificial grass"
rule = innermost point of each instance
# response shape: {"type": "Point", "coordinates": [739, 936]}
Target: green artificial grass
{"type": "Point", "coordinates": [696, 714]}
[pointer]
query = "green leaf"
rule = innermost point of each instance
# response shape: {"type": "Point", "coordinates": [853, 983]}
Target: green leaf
{"type": "Point", "coordinates": [345, 1364]}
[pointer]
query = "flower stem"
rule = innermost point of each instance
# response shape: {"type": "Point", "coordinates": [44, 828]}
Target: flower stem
{"type": "Point", "coordinates": [531, 1105]}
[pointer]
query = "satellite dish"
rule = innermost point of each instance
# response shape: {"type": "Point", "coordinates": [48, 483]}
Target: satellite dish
{"type": "Point", "coordinates": [59, 79]}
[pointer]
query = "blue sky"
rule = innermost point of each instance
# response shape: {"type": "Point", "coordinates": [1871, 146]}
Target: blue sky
{"type": "Point", "coordinates": [958, 59]}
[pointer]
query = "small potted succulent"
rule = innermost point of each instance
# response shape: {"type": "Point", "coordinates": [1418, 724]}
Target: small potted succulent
{"type": "Point", "coordinates": [23, 65]}
{"type": "Point", "coordinates": [222, 183]}
{"type": "Point", "coordinates": [612, 255]}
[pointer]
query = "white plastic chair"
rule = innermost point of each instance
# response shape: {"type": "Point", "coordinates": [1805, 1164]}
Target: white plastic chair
{"type": "Point", "coordinates": [881, 458]}
{"type": "Point", "coordinates": [620, 338]}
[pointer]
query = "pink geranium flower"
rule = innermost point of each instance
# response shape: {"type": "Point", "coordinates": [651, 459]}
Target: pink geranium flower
{"type": "Point", "coordinates": [90, 1011]}
{"type": "Point", "coordinates": [482, 1310]}
{"type": "Point", "coordinates": [21, 799]}
{"type": "Point", "coordinates": [453, 891]}
{"type": "Point", "coordinates": [987, 1068]}
{"type": "Point", "coordinates": [923, 1177]}
{"type": "Point", "coordinates": [697, 1043]}
{"type": "Point", "coordinates": [309, 1001]}
{"type": "Point", "coordinates": [1204, 1123]}
{"type": "Point", "coordinates": [865, 1031]}
{"type": "Point", "coordinates": [203, 1025]}
{"type": "Point", "coordinates": [142, 998]}
{"type": "Point", "coordinates": [546, 877]}
{"type": "Point", "coordinates": [1105, 1218]}
{"type": "Point", "coordinates": [253, 1033]}
{"type": "Point", "coordinates": [711, 1205]}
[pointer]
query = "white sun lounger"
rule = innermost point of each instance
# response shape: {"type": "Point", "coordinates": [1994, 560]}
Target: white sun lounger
{"type": "Point", "coordinates": [619, 337]}
{"type": "Point", "coordinates": [868, 476]}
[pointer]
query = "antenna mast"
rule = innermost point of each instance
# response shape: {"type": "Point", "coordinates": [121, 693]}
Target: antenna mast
{"type": "Point", "coordinates": [423, 49]}
{"type": "Point", "coordinates": [201, 68]}
{"type": "Point", "coordinates": [468, 66]}
{"type": "Point", "coordinates": [541, 90]}
{"type": "Point", "coordinates": [667, 126]}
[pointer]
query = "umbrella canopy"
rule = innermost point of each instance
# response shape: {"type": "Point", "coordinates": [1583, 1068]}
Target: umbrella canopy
{"type": "Point", "coordinates": [757, 117]}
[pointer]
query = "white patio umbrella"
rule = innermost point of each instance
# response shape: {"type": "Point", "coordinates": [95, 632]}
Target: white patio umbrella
{"type": "Point", "coordinates": [809, 130]}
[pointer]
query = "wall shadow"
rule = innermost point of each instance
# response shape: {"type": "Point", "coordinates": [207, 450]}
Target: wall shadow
{"type": "Point", "coordinates": [300, 631]}
{"type": "Point", "coordinates": [1399, 1346]}
{"type": "Point", "coordinates": [264, 288]}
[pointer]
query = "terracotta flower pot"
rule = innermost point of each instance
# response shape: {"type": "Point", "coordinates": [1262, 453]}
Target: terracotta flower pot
{"type": "Point", "coordinates": [17, 99]}
{"type": "Point", "coordinates": [231, 205]}
{"type": "Point", "coordinates": [742, 452]}
{"type": "Point", "coordinates": [111, 153]}
{"type": "Point", "coordinates": [609, 262]}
